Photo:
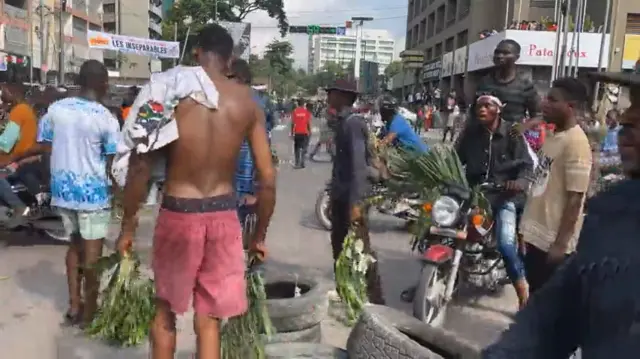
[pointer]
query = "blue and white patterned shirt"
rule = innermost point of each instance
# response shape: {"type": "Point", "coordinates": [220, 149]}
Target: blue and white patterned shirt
{"type": "Point", "coordinates": [82, 133]}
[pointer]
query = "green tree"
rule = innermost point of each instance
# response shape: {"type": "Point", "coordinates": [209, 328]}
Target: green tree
{"type": "Point", "coordinates": [393, 69]}
{"type": "Point", "coordinates": [281, 73]}
{"type": "Point", "coordinates": [202, 12]}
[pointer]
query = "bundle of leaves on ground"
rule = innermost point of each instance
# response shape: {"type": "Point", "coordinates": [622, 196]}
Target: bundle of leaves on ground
{"type": "Point", "coordinates": [126, 303]}
{"type": "Point", "coordinates": [351, 275]}
{"type": "Point", "coordinates": [245, 336]}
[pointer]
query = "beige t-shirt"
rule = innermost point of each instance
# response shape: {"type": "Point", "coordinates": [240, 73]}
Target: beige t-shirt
{"type": "Point", "coordinates": [564, 166]}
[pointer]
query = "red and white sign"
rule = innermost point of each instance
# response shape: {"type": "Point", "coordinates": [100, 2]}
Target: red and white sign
{"type": "Point", "coordinates": [538, 47]}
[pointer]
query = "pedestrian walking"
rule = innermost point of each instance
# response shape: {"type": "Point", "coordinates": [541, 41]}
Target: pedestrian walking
{"type": "Point", "coordinates": [197, 244]}
{"type": "Point", "coordinates": [82, 134]}
{"type": "Point", "coordinates": [300, 133]}
{"type": "Point", "coordinates": [349, 182]}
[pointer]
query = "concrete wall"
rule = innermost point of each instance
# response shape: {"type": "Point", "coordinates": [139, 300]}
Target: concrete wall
{"type": "Point", "coordinates": [134, 21]}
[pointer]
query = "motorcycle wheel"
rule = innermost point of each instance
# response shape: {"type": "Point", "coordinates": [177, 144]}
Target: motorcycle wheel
{"type": "Point", "coordinates": [323, 210]}
{"type": "Point", "coordinates": [428, 303]}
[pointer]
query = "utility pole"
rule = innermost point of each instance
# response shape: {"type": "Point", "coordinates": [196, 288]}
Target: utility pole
{"type": "Point", "coordinates": [63, 9]}
{"type": "Point", "coordinates": [359, 20]}
{"type": "Point", "coordinates": [605, 29]}
{"type": "Point", "coordinates": [43, 39]}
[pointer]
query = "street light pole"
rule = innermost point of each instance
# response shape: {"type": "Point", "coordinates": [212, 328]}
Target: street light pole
{"type": "Point", "coordinates": [63, 8]}
{"type": "Point", "coordinates": [359, 20]}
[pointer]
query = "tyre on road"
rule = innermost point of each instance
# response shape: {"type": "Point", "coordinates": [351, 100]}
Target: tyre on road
{"type": "Point", "coordinates": [309, 335]}
{"type": "Point", "coordinates": [297, 304]}
{"type": "Point", "coordinates": [428, 303]}
{"type": "Point", "coordinates": [386, 333]}
{"type": "Point", "coordinates": [323, 209]}
{"type": "Point", "coordinates": [304, 351]}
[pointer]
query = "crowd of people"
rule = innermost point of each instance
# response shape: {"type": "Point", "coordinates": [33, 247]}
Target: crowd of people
{"type": "Point", "coordinates": [574, 288]}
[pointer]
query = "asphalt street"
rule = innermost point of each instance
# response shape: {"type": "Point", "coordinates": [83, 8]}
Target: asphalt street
{"type": "Point", "coordinates": [33, 286]}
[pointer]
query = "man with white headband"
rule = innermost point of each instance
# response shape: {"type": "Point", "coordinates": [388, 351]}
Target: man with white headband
{"type": "Point", "coordinates": [492, 155]}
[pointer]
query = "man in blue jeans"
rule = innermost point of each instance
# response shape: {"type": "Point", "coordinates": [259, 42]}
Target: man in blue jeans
{"type": "Point", "coordinates": [491, 154]}
{"type": "Point", "coordinates": [245, 171]}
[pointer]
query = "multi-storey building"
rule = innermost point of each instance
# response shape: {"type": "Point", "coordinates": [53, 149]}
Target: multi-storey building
{"type": "Point", "coordinates": [23, 41]}
{"type": "Point", "coordinates": [447, 31]}
{"type": "Point", "coordinates": [376, 46]}
{"type": "Point", "coordinates": [132, 18]}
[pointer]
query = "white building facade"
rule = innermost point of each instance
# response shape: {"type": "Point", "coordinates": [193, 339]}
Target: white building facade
{"type": "Point", "coordinates": [377, 46]}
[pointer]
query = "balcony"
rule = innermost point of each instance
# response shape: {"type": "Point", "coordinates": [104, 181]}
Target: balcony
{"type": "Point", "coordinates": [15, 12]}
{"type": "Point", "coordinates": [155, 9]}
{"type": "Point", "coordinates": [155, 27]}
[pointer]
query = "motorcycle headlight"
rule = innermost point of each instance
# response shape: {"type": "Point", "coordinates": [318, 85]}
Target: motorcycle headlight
{"type": "Point", "coordinates": [445, 211]}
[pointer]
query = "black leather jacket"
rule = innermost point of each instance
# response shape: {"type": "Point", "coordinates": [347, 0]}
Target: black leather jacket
{"type": "Point", "coordinates": [593, 301]}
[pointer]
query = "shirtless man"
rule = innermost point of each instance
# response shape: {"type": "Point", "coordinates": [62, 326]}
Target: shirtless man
{"type": "Point", "coordinates": [197, 246]}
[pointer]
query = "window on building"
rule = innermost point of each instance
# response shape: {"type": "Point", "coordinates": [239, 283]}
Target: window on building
{"type": "Point", "coordinates": [452, 9]}
{"type": "Point", "coordinates": [410, 10]}
{"type": "Point", "coordinates": [416, 9]}
{"type": "Point", "coordinates": [110, 27]}
{"type": "Point", "coordinates": [438, 50]}
{"type": "Point", "coordinates": [423, 6]}
{"type": "Point", "coordinates": [449, 44]}
{"type": "Point", "coordinates": [95, 27]}
{"type": "Point", "coordinates": [462, 38]}
{"type": "Point", "coordinates": [109, 8]}
{"type": "Point", "coordinates": [431, 23]}
{"type": "Point", "coordinates": [440, 20]}
{"type": "Point", "coordinates": [408, 40]}
{"type": "Point", "coordinates": [633, 24]}
{"type": "Point", "coordinates": [20, 4]}
{"type": "Point", "coordinates": [110, 64]}
{"type": "Point", "coordinates": [464, 6]}
{"type": "Point", "coordinates": [429, 54]}
{"type": "Point", "coordinates": [416, 34]}
{"type": "Point", "coordinates": [544, 4]}
{"type": "Point", "coordinates": [423, 29]}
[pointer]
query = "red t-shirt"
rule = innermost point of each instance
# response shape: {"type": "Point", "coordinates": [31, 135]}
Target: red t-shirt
{"type": "Point", "coordinates": [301, 119]}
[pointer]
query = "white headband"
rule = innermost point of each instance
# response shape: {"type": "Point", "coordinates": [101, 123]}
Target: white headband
{"type": "Point", "coordinates": [494, 100]}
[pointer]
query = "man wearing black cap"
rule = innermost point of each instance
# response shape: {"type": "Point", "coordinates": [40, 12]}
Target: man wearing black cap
{"type": "Point", "coordinates": [349, 178]}
{"type": "Point", "coordinates": [591, 302]}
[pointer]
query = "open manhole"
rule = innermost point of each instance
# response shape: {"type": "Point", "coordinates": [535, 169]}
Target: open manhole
{"type": "Point", "coordinates": [284, 290]}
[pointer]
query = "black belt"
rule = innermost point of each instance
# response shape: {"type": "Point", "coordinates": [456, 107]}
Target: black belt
{"type": "Point", "coordinates": [200, 205]}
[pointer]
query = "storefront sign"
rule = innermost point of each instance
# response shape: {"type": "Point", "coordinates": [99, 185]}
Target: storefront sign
{"type": "Point", "coordinates": [538, 47]}
{"type": "Point", "coordinates": [135, 45]}
{"type": "Point", "coordinates": [631, 52]}
{"type": "Point", "coordinates": [447, 64]}
{"type": "Point", "coordinates": [459, 60]}
{"type": "Point", "coordinates": [431, 70]}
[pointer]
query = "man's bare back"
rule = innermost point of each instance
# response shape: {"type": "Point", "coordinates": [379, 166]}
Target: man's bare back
{"type": "Point", "coordinates": [202, 162]}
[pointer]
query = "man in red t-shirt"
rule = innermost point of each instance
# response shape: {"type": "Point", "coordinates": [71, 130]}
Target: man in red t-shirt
{"type": "Point", "coordinates": [300, 131]}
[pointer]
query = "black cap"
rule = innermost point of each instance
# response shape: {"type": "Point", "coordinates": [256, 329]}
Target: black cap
{"type": "Point", "coordinates": [343, 85]}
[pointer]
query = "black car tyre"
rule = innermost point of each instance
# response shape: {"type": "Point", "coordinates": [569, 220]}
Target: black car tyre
{"type": "Point", "coordinates": [303, 351]}
{"type": "Point", "coordinates": [309, 335]}
{"type": "Point", "coordinates": [289, 313]}
{"type": "Point", "coordinates": [386, 333]}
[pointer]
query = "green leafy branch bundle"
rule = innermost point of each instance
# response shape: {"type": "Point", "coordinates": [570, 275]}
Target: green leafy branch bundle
{"type": "Point", "coordinates": [351, 275]}
{"type": "Point", "coordinates": [245, 336]}
{"type": "Point", "coordinates": [126, 303]}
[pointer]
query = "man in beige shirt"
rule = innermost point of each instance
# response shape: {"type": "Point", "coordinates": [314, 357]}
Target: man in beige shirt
{"type": "Point", "coordinates": [552, 217]}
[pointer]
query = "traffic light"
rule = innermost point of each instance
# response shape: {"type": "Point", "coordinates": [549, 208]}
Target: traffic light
{"type": "Point", "coordinates": [316, 30]}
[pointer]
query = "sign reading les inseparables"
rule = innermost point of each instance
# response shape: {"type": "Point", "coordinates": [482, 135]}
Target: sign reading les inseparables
{"type": "Point", "coordinates": [135, 45]}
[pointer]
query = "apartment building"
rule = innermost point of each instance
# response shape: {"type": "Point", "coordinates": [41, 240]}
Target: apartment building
{"type": "Point", "coordinates": [20, 28]}
{"type": "Point", "coordinates": [446, 29]}
{"type": "Point", "coordinates": [141, 18]}
{"type": "Point", "coordinates": [376, 46]}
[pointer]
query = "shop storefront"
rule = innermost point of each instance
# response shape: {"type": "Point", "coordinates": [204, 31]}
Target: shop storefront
{"type": "Point", "coordinates": [453, 69]}
{"type": "Point", "coordinates": [537, 55]}
{"type": "Point", "coordinates": [431, 73]}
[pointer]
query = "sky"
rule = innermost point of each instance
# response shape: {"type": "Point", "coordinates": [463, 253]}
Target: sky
{"type": "Point", "coordinates": [390, 15]}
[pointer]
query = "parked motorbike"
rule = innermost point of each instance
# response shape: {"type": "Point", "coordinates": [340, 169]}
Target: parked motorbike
{"type": "Point", "coordinates": [406, 207]}
{"type": "Point", "coordinates": [460, 248]}
{"type": "Point", "coordinates": [42, 218]}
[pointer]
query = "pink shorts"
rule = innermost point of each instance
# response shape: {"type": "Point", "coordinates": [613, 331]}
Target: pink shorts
{"type": "Point", "coordinates": [198, 252]}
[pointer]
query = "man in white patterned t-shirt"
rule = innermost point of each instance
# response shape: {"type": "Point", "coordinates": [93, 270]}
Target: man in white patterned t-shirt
{"type": "Point", "coordinates": [82, 134]}
{"type": "Point", "coordinates": [552, 217]}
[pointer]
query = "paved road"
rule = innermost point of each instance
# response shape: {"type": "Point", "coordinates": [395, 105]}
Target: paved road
{"type": "Point", "coordinates": [33, 297]}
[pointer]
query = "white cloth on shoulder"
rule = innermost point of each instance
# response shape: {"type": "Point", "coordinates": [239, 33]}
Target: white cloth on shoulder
{"type": "Point", "coordinates": [150, 124]}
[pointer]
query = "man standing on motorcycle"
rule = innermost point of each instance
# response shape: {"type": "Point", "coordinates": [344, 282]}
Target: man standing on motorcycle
{"type": "Point", "coordinates": [349, 179]}
{"type": "Point", "coordinates": [398, 131]}
{"type": "Point", "coordinates": [492, 155]}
